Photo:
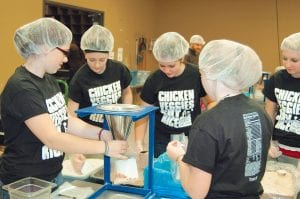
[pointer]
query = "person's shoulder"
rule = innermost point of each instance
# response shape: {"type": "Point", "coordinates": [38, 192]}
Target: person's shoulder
{"type": "Point", "coordinates": [16, 75]}
{"type": "Point", "coordinates": [154, 77]}
{"type": "Point", "coordinates": [192, 67]}
{"type": "Point", "coordinates": [207, 120]}
{"type": "Point", "coordinates": [50, 77]}
{"type": "Point", "coordinates": [21, 76]}
{"type": "Point", "coordinates": [82, 70]}
{"type": "Point", "coordinates": [81, 74]}
{"type": "Point", "coordinates": [282, 75]}
{"type": "Point", "coordinates": [209, 115]}
{"type": "Point", "coordinates": [155, 74]}
{"type": "Point", "coordinates": [192, 70]}
{"type": "Point", "coordinates": [20, 81]}
{"type": "Point", "coordinates": [190, 52]}
{"type": "Point", "coordinates": [115, 63]}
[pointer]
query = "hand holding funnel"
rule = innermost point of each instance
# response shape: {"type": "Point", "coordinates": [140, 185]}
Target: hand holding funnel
{"type": "Point", "coordinates": [120, 127]}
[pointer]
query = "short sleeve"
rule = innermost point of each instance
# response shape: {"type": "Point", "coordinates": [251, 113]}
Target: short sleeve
{"type": "Point", "coordinates": [27, 104]}
{"type": "Point", "coordinates": [269, 89]}
{"type": "Point", "coordinates": [75, 92]}
{"type": "Point", "coordinates": [202, 149]}
{"type": "Point", "coordinates": [126, 77]}
{"type": "Point", "coordinates": [147, 93]}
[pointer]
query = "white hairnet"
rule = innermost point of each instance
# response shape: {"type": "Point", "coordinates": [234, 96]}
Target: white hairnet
{"type": "Point", "coordinates": [292, 42]}
{"type": "Point", "coordinates": [232, 63]}
{"type": "Point", "coordinates": [169, 47]}
{"type": "Point", "coordinates": [41, 36]}
{"type": "Point", "coordinates": [197, 39]}
{"type": "Point", "coordinates": [97, 38]}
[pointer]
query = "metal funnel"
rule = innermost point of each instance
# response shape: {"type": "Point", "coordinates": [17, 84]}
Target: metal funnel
{"type": "Point", "coordinates": [120, 126]}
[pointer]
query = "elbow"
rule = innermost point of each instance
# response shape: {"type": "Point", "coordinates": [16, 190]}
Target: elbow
{"type": "Point", "coordinates": [194, 191]}
{"type": "Point", "coordinates": [50, 143]}
{"type": "Point", "coordinates": [195, 194]}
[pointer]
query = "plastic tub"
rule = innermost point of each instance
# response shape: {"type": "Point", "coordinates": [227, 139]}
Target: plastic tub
{"type": "Point", "coordinates": [280, 181]}
{"type": "Point", "coordinates": [29, 187]}
{"type": "Point", "coordinates": [91, 165]}
{"type": "Point", "coordinates": [98, 176]}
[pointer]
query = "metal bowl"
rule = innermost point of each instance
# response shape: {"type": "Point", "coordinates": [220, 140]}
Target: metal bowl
{"type": "Point", "coordinates": [119, 107]}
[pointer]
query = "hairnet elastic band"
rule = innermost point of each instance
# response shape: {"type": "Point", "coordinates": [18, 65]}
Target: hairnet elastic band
{"type": "Point", "coordinates": [95, 51]}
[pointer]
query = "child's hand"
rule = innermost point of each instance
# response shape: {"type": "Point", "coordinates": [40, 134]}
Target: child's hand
{"type": "Point", "coordinates": [175, 150]}
{"type": "Point", "coordinates": [77, 161]}
{"type": "Point", "coordinates": [274, 151]}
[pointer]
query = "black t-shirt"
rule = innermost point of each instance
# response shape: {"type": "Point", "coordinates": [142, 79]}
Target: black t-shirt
{"type": "Point", "coordinates": [178, 99]}
{"type": "Point", "coordinates": [25, 96]}
{"type": "Point", "coordinates": [231, 142]}
{"type": "Point", "coordinates": [284, 90]}
{"type": "Point", "coordinates": [88, 88]}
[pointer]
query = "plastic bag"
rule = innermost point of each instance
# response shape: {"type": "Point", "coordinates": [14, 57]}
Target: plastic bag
{"type": "Point", "coordinates": [183, 139]}
{"type": "Point", "coordinates": [163, 183]}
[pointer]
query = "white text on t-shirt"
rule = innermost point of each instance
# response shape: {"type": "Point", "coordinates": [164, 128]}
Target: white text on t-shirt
{"type": "Point", "coordinates": [176, 107]}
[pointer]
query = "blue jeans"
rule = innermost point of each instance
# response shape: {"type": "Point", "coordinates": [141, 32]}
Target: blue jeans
{"type": "Point", "coordinates": [59, 180]}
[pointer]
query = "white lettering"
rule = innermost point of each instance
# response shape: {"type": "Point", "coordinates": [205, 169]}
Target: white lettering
{"type": "Point", "coordinates": [106, 94]}
{"type": "Point", "coordinates": [48, 153]}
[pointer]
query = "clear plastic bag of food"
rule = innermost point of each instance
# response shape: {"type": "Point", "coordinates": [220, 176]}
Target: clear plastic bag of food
{"type": "Point", "coordinates": [183, 139]}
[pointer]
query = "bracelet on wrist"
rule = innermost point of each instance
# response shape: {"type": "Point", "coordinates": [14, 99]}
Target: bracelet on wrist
{"type": "Point", "coordinates": [100, 133]}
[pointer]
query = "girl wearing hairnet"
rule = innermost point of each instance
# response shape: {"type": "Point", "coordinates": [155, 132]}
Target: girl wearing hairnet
{"type": "Point", "coordinates": [37, 126]}
{"type": "Point", "coordinates": [100, 81]}
{"type": "Point", "coordinates": [228, 144]}
{"type": "Point", "coordinates": [175, 88]}
{"type": "Point", "coordinates": [283, 103]}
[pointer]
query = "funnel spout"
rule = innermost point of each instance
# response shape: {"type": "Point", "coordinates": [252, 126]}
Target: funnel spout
{"type": "Point", "coordinates": [120, 126]}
